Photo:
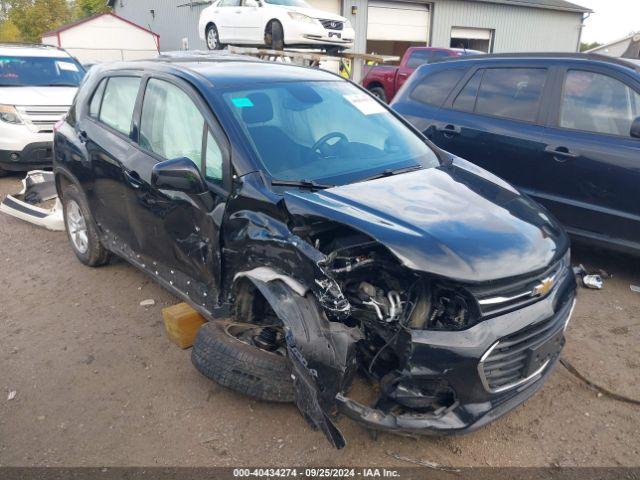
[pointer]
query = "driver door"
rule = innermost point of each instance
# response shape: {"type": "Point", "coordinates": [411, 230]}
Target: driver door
{"type": "Point", "coordinates": [178, 234]}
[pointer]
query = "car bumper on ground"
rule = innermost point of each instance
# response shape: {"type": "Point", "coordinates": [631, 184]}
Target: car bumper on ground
{"type": "Point", "coordinates": [527, 341]}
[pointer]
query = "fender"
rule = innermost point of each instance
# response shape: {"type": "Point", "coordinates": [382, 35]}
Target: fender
{"type": "Point", "coordinates": [322, 352]}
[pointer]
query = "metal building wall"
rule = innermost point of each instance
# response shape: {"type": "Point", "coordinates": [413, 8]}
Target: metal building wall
{"type": "Point", "coordinates": [171, 21]}
{"type": "Point", "coordinates": [517, 29]}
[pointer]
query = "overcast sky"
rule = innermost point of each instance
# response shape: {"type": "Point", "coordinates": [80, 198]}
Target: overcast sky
{"type": "Point", "coordinates": [612, 19]}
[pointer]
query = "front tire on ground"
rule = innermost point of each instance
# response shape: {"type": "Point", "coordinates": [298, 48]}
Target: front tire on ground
{"type": "Point", "coordinates": [247, 369]}
{"type": "Point", "coordinates": [81, 229]}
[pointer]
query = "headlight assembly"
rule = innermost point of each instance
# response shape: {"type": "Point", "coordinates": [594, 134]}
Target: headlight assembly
{"type": "Point", "coordinates": [9, 114]}
{"type": "Point", "coordinates": [299, 17]}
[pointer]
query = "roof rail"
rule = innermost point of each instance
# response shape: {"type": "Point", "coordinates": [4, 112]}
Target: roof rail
{"type": "Point", "coordinates": [550, 55]}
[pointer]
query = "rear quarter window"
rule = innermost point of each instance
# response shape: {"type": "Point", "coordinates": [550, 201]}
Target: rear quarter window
{"type": "Point", "coordinates": [436, 87]}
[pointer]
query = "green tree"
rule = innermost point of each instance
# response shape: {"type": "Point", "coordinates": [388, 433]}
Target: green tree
{"type": "Point", "coordinates": [588, 46]}
{"type": "Point", "coordinates": [34, 17]}
{"type": "Point", "coordinates": [86, 8]}
{"type": "Point", "coordinates": [9, 32]}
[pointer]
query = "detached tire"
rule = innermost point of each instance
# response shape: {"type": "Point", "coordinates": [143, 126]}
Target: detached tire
{"type": "Point", "coordinates": [241, 367]}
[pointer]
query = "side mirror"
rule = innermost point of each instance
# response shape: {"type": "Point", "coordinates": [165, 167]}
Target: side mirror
{"type": "Point", "coordinates": [635, 128]}
{"type": "Point", "coordinates": [180, 175]}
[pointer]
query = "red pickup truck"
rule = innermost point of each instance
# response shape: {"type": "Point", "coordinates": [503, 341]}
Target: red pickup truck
{"type": "Point", "coordinates": [385, 80]}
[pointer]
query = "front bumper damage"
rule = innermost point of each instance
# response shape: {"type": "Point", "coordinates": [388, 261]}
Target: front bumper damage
{"type": "Point", "coordinates": [457, 359]}
{"type": "Point", "coordinates": [456, 363]}
{"type": "Point", "coordinates": [37, 187]}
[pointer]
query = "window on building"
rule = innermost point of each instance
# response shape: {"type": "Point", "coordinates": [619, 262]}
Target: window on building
{"type": "Point", "coordinates": [598, 103]}
{"type": "Point", "coordinates": [435, 88]}
{"type": "Point", "coordinates": [118, 103]}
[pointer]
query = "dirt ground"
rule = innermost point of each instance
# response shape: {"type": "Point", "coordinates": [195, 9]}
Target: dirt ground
{"type": "Point", "coordinates": [99, 384]}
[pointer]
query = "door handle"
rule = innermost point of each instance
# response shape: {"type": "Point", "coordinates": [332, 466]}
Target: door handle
{"type": "Point", "coordinates": [561, 154]}
{"type": "Point", "coordinates": [449, 130]}
{"type": "Point", "coordinates": [133, 178]}
{"type": "Point", "coordinates": [403, 75]}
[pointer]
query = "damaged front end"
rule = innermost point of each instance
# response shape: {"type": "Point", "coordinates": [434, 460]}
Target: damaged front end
{"type": "Point", "coordinates": [440, 353]}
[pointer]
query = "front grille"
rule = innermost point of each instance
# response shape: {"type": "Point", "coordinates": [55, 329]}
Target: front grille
{"type": "Point", "coordinates": [41, 119]}
{"type": "Point", "coordinates": [505, 365]}
{"type": "Point", "coordinates": [501, 296]}
{"type": "Point", "coordinates": [332, 24]}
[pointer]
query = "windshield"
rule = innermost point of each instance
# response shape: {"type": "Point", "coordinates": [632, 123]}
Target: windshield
{"type": "Point", "coordinates": [39, 72]}
{"type": "Point", "coordinates": [328, 132]}
{"type": "Point", "coordinates": [289, 3]}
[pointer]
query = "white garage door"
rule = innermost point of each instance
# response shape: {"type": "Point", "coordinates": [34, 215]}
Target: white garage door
{"type": "Point", "coordinates": [471, 33]}
{"type": "Point", "coordinates": [331, 6]}
{"type": "Point", "coordinates": [400, 22]}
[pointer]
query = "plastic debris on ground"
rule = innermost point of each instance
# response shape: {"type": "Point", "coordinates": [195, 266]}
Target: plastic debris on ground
{"type": "Point", "coordinates": [37, 202]}
{"type": "Point", "coordinates": [591, 280]}
{"type": "Point", "coordinates": [12, 395]}
{"type": "Point", "coordinates": [148, 303]}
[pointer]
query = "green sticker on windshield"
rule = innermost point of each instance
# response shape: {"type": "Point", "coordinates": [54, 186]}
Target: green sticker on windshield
{"type": "Point", "coordinates": [242, 102]}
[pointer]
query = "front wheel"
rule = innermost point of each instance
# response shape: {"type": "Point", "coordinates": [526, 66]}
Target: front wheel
{"type": "Point", "coordinates": [213, 38]}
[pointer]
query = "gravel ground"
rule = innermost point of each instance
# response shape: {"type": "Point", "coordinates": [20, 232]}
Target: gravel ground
{"type": "Point", "coordinates": [98, 383]}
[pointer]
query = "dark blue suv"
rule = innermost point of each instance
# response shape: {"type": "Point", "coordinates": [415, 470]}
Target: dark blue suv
{"type": "Point", "coordinates": [564, 128]}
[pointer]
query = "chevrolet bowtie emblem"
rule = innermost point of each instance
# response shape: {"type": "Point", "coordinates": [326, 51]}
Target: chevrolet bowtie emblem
{"type": "Point", "coordinates": [543, 287]}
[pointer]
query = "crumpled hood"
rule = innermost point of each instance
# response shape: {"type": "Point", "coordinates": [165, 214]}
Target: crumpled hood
{"type": "Point", "coordinates": [40, 96]}
{"type": "Point", "coordinates": [315, 13]}
{"type": "Point", "coordinates": [456, 221]}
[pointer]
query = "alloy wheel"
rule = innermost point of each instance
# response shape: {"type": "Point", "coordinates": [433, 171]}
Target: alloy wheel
{"type": "Point", "coordinates": [77, 227]}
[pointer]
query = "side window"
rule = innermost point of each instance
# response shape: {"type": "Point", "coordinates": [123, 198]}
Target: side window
{"type": "Point", "coordinates": [118, 103]}
{"type": "Point", "coordinates": [513, 93]}
{"type": "Point", "coordinates": [419, 57]}
{"type": "Point", "coordinates": [597, 103]}
{"type": "Point", "coordinates": [171, 125]}
{"type": "Point", "coordinates": [213, 159]}
{"type": "Point", "coordinates": [229, 3]}
{"type": "Point", "coordinates": [466, 99]}
{"type": "Point", "coordinates": [435, 88]}
{"type": "Point", "coordinates": [96, 100]}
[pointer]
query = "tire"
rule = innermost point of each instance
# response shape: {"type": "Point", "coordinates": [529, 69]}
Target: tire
{"type": "Point", "coordinates": [379, 92]}
{"type": "Point", "coordinates": [275, 36]}
{"type": "Point", "coordinates": [239, 366]}
{"type": "Point", "coordinates": [212, 38]}
{"type": "Point", "coordinates": [77, 216]}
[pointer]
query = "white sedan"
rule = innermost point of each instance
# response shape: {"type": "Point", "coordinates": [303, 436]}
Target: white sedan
{"type": "Point", "coordinates": [274, 23]}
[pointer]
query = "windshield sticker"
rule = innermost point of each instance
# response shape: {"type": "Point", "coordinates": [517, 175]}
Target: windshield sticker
{"type": "Point", "coordinates": [365, 103]}
{"type": "Point", "coordinates": [67, 66]}
{"type": "Point", "coordinates": [242, 102]}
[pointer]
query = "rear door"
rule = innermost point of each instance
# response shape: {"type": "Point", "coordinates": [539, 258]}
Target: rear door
{"type": "Point", "coordinates": [177, 234]}
{"type": "Point", "coordinates": [251, 29]}
{"type": "Point", "coordinates": [495, 120]}
{"type": "Point", "coordinates": [106, 133]}
{"type": "Point", "coordinates": [591, 166]}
